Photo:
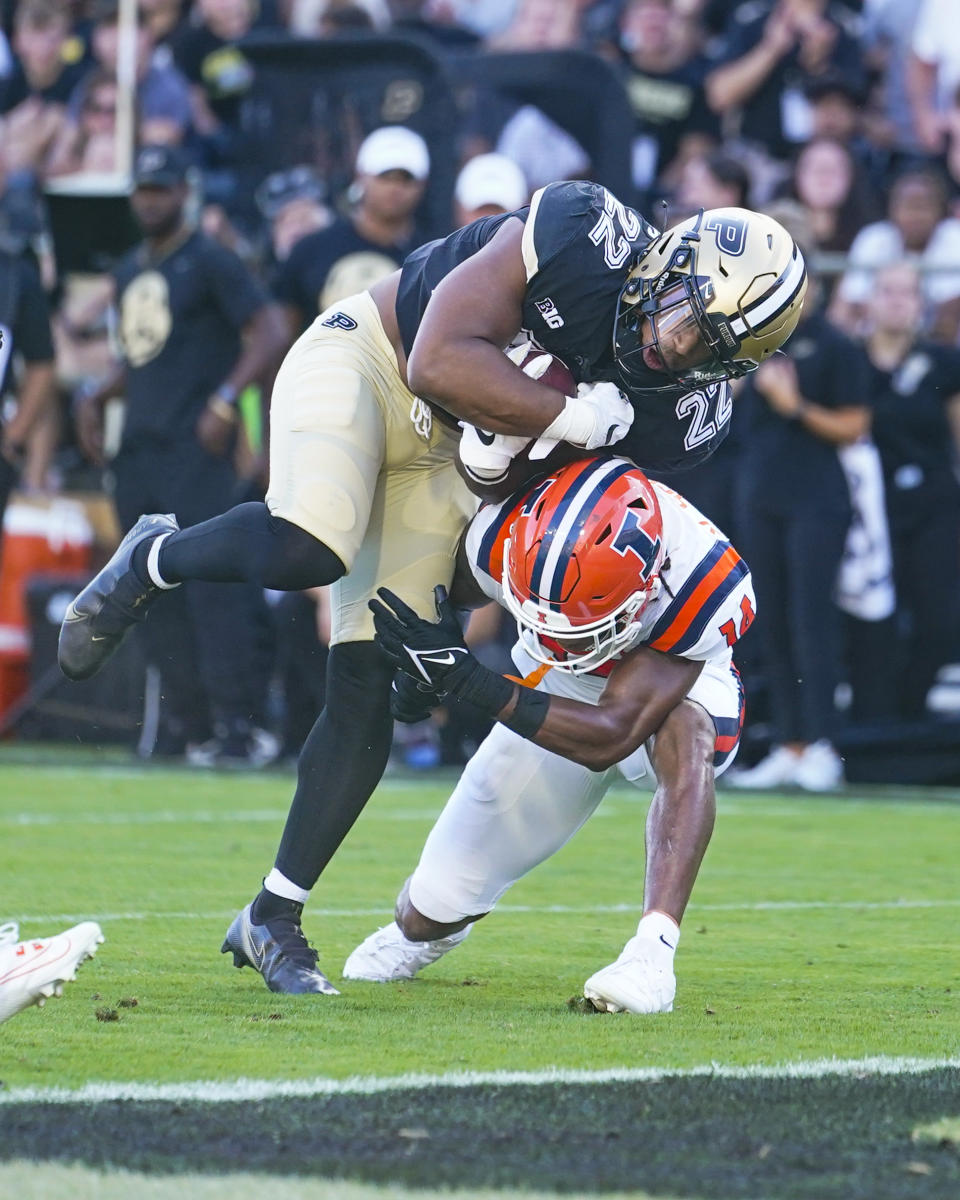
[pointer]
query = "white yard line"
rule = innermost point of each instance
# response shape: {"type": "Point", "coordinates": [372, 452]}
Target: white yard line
{"type": "Point", "coordinates": [228, 914]}
{"type": "Point", "coordinates": [213, 1092]}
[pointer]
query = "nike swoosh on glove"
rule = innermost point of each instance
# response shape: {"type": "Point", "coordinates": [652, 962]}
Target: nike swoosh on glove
{"type": "Point", "coordinates": [431, 652]}
{"type": "Point", "coordinates": [487, 456]}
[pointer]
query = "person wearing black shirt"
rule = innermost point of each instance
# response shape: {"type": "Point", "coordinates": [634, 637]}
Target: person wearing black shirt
{"type": "Point", "coordinates": [793, 508]}
{"type": "Point", "coordinates": [25, 336]}
{"type": "Point", "coordinates": [915, 384]}
{"type": "Point", "coordinates": [352, 253]}
{"type": "Point", "coordinates": [184, 306]}
{"type": "Point", "coordinates": [364, 489]}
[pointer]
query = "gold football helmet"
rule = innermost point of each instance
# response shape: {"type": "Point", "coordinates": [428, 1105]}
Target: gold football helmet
{"type": "Point", "coordinates": [709, 299]}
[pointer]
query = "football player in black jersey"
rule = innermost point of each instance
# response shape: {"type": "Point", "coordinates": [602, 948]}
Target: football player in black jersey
{"type": "Point", "coordinates": [364, 492]}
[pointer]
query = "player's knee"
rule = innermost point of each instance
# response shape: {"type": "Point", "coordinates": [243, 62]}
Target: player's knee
{"type": "Point", "coordinates": [298, 558]}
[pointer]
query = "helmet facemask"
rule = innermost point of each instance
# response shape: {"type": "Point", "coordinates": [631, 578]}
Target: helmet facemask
{"type": "Point", "coordinates": [577, 648]}
{"type": "Point", "coordinates": [663, 336]}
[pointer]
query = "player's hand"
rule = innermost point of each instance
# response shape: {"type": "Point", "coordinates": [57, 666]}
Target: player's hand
{"type": "Point", "coordinates": [487, 456]}
{"type": "Point", "coordinates": [215, 431]}
{"type": "Point", "coordinates": [433, 653]}
{"type": "Point", "coordinates": [598, 415]}
{"type": "Point", "coordinates": [411, 702]}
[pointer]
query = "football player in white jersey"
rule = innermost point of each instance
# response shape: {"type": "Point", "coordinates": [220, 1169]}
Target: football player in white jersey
{"type": "Point", "coordinates": [628, 602]}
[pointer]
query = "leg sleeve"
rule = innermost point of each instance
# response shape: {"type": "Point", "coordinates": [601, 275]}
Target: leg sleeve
{"type": "Point", "coordinates": [514, 806]}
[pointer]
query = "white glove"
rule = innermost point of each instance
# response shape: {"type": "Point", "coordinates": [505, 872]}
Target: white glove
{"type": "Point", "coordinates": [598, 415]}
{"type": "Point", "coordinates": [487, 456]}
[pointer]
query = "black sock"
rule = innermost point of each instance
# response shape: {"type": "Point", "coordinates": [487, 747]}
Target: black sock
{"type": "Point", "coordinates": [141, 553]}
{"type": "Point", "coordinates": [341, 763]}
{"type": "Point", "coordinates": [247, 543]}
{"type": "Point", "coordinates": [268, 907]}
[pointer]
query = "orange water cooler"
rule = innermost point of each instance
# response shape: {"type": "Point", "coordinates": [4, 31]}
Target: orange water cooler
{"type": "Point", "coordinates": [39, 536]}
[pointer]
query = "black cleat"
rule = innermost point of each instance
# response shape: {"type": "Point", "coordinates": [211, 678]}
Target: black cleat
{"type": "Point", "coordinates": [279, 951]}
{"type": "Point", "coordinates": [97, 620]}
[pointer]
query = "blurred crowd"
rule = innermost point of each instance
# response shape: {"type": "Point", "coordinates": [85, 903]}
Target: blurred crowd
{"type": "Point", "coordinates": [840, 117]}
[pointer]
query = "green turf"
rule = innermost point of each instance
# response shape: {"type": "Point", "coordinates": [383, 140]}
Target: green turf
{"type": "Point", "coordinates": [820, 928]}
{"type": "Point", "coordinates": [755, 984]}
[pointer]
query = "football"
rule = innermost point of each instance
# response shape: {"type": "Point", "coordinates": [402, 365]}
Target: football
{"type": "Point", "coordinates": [545, 368]}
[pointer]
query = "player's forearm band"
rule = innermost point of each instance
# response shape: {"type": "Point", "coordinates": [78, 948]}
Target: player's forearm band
{"type": "Point", "coordinates": [480, 687]}
{"type": "Point", "coordinates": [529, 713]}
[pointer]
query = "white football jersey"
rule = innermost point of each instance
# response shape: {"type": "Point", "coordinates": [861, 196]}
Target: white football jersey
{"type": "Point", "coordinates": [704, 604]}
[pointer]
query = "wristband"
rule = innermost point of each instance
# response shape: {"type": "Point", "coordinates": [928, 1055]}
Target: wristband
{"type": "Point", "coordinates": [529, 713]}
{"type": "Point", "coordinates": [480, 687]}
{"type": "Point", "coordinates": [225, 411]}
{"type": "Point", "coordinates": [573, 423]}
{"type": "Point", "coordinates": [227, 393]}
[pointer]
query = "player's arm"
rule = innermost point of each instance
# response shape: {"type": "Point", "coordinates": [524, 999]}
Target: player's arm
{"type": "Point", "coordinates": [457, 358]}
{"type": "Point", "coordinates": [641, 690]}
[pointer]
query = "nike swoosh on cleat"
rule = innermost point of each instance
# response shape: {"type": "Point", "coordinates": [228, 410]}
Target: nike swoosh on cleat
{"type": "Point", "coordinates": [666, 943]}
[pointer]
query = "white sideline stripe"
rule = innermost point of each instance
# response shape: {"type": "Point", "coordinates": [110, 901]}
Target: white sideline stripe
{"type": "Point", "coordinates": [228, 914]}
{"type": "Point", "coordinates": [212, 1092]}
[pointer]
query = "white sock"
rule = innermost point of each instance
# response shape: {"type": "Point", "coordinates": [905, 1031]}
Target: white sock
{"type": "Point", "coordinates": [153, 564]}
{"type": "Point", "coordinates": [280, 885]}
{"type": "Point", "coordinates": [661, 930]}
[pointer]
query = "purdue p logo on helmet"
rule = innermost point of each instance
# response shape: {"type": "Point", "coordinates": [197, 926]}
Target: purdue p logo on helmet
{"type": "Point", "coordinates": [709, 299]}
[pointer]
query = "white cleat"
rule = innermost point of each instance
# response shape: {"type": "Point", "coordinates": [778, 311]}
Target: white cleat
{"type": "Point", "coordinates": [635, 983]}
{"type": "Point", "coordinates": [778, 769]}
{"type": "Point", "coordinates": [387, 955]}
{"type": "Point", "coordinates": [820, 768]}
{"type": "Point", "coordinates": [33, 970]}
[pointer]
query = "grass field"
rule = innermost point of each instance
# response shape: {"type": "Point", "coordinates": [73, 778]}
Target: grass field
{"type": "Point", "coordinates": [821, 929]}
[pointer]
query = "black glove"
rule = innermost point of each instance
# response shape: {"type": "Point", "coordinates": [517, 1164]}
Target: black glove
{"type": "Point", "coordinates": [432, 653]}
{"type": "Point", "coordinates": [411, 702]}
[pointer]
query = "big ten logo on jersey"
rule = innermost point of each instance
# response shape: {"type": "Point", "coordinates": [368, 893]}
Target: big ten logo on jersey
{"type": "Point", "coordinates": [616, 230]}
{"type": "Point", "coordinates": [731, 233]}
{"type": "Point", "coordinates": [707, 410]}
{"type": "Point", "coordinates": [548, 310]}
{"type": "Point", "coordinates": [339, 320]}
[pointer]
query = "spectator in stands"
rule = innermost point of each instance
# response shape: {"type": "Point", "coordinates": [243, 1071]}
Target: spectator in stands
{"type": "Point", "coordinates": [89, 141]}
{"type": "Point", "coordinates": [206, 52]}
{"type": "Point", "coordinates": [933, 71]}
{"type": "Point", "coordinates": [953, 153]}
{"type": "Point", "coordinates": [772, 49]}
{"type": "Point", "coordinates": [915, 385]}
{"type": "Point", "coordinates": [827, 182]}
{"type": "Point", "coordinates": [46, 69]}
{"type": "Point", "coordinates": [27, 380]}
{"type": "Point", "coordinates": [162, 93]}
{"type": "Point", "coordinates": [664, 76]}
{"type": "Point", "coordinates": [541, 145]}
{"type": "Point", "coordinates": [392, 168]}
{"type": "Point", "coordinates": [293, 203]}
{"type": "Point", "coordinates": [794, 512]}
{"type": "Point", "coordinates": [918, 226]}
{"type": "Point", "coordinates": [164, 18]}
{"type": "Point", "coordinates": [488, 184]}
{"type": "Point", "coordinates": [195, 330]}
{"type": "Point", "coordinates": [887, 35]}
{"type": "Point", "coordinates": [714, 180]}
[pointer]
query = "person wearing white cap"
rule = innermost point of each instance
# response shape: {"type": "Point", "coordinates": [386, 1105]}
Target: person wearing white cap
{"type": "Point", "coordinates": [352, 253]}
{"type": "Point", "coordinates": [488, 184]}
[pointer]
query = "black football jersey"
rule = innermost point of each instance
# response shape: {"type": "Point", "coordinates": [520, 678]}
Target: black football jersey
{"type": "Point", "coordinates": [579, 243]}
